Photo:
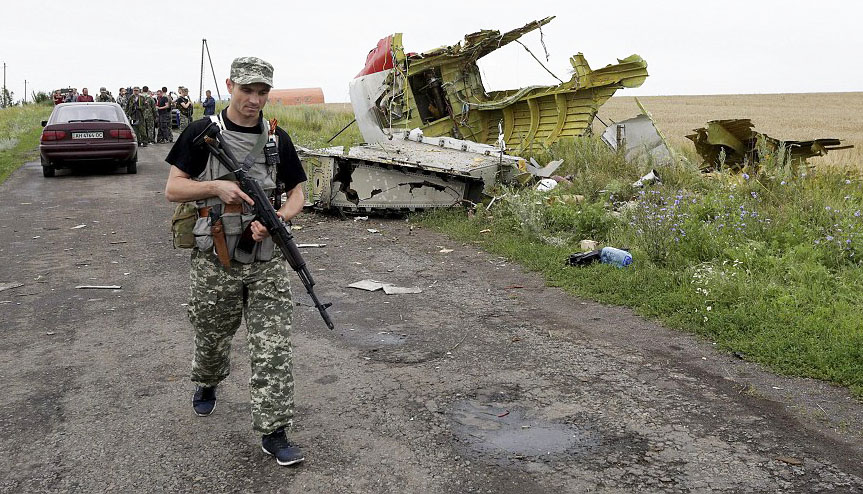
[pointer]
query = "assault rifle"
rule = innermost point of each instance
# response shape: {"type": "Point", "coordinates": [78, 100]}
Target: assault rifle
{"type": "Point", "coordinates": [265, 213]}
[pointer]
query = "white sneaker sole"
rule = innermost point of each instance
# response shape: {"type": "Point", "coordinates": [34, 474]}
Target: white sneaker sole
{"type": "Point", "coordinates": [206, 414]}
{"type": "Point", "coordinates": [283, 463]}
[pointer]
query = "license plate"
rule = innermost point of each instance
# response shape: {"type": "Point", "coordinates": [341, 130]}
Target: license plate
{"type": "Point", "coordinates": [87, 135]}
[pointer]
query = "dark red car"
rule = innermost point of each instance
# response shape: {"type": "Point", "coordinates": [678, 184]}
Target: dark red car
{"type": "Point", "coordinates": [81, 133]}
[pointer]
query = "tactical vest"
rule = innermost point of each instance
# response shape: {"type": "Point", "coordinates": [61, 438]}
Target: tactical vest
{"type": "Point", "coordinates": [234, 224]}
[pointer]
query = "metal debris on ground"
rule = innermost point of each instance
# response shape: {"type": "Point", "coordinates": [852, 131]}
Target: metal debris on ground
{"type": "Point", "coordinates": [388, 288]}
{"type": "Point", "coordinates": [733, 144]}
{"type": "Point", "coordinates": [406, 172]}
{"type": "Point", "coordinates": [98, 287]}
{"type": "Point", "coordinates": [311, 246]}
{"type": "Point", "coordinates": [650, 178]}
{"type": "Point", "coordinates": [638, 136]}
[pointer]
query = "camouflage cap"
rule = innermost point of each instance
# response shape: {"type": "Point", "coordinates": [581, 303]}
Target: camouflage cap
{"type": "Point", "coordinates": [102, 89]}
{"type": "Point", "coordinates": [249, 70]}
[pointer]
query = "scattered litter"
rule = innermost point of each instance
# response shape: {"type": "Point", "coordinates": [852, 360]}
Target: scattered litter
{"type": "Point", "coordinates": [616, 257]}
{"type": "Point", "coordinates": [311, 246]}
{"type": "Point", "coordinates": [398, 290]}
{"type": "Point", "coordinates": [77, 227]}
{"type": "Point", "coordinates": [510, 287]}
{"type": "Point", "coordinates": [587, 245]}
{"type": "Point", "coordinates": [117, 241]}
{"type": "Point", "coordinates": [37, 236]}
{"type": "Point", "coordinates": [9, 286]}
{"type": "Point", "coordinates": [372, 230]}
{"type": "Point", "coordinates": [650, 178]}
{"type": "Point", "coordinates": [485, 231]}
{"type": "Point", "coordinates": [296, 227]}
{"type": "Point", "coordinates": [361, 218]}
{"type": "Point", "coordinates": [584, 258]}
{"type": "Point", "coordinates": [126, 274]}
{"type": "Point", "coordinates": [504, 414]}
{"type": "Point", "coordinates": [50, 333]}
{"type": "Point", "coordinates": [445, 251]}
{"type": "Point", "coordinates": [790, 460]}
{"type": "Point", "coordinates": [546, 184]}
{"type": "Point", "coordinates": [5, 301]}
{"type": "Point", "coordinates": [98, 287]}
{"type": "Point", "coordinates": [388, 288]}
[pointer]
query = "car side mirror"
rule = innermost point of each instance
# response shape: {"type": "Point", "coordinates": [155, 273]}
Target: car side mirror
{"type": "Point", "coordinates": [44, 123]}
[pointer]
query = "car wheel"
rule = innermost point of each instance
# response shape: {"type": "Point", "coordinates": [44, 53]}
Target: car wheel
{"type": "Point", "coordinates": [47, 169]}
{"type": "Point", "coordinates": [132, 166]}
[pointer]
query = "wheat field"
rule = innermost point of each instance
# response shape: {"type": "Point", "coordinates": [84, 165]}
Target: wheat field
{"type": "Point", "coordinates": [801, 116]}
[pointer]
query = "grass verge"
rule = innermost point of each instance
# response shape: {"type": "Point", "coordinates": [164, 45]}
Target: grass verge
{"type": "Point", "coordinates": [19, 136]}
{"type": "Point", "coordinates": [766, 264]}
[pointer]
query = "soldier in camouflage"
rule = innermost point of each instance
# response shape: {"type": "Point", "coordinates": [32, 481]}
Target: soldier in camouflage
{"type": "Point", "coordinates": [104, 96]}
{"type": "Point", "coordinates": [229, 283]}
{"type": "Point", "coordinates": [136, 107]}
{"type": "Point", "coordinates": [149, 115]}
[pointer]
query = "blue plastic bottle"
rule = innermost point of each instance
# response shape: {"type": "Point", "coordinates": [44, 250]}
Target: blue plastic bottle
{"type": "Point", "coordinates": [615, 257]}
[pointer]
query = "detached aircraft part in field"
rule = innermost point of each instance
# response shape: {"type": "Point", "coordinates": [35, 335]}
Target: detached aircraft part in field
{"type": "Point", "coordinates": [442, 93]}
{"type": "Point", "coordinates": [733, 144]}
{"type": "Point", "coordinates": [406, 172]}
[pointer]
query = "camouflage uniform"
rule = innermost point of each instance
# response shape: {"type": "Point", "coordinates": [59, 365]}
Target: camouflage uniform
{"type": "Point", "coordinates": [218, 301]}
{"type": "Point", "coordinates": [136, 107]}
{"type": "Point", "coordinates": [104, 96]}
{"type": "Point", "coordinates": [150, 118]}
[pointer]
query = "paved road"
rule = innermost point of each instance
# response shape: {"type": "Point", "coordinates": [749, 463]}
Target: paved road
{"type": "Point", "coordinates": [487, 381]}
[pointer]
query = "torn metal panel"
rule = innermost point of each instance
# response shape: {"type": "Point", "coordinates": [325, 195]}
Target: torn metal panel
{"type": "Point", "coordinates": [636, 137]}
{"type": "Point", "coordinates": [733, 144]}
{"type": "Point", "coordinates": [407, 172]}
{"type": "Point", "coordinates": [442, 93]}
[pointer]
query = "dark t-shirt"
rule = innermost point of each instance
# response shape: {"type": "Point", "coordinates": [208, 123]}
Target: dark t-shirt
{"type": "Point", "coordinates": [162, 101]}
{"type": "Point", "coordinates": [192, 159]}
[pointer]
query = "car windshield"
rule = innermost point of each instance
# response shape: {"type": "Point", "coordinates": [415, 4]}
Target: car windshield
{"type": "Point", "coordinates": [87, 113]}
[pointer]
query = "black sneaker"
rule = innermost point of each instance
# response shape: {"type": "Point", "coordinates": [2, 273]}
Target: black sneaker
{"type": "Point", "coordinates": [276, 444]}
{"type": "Point", "coordinates": [204, 400]}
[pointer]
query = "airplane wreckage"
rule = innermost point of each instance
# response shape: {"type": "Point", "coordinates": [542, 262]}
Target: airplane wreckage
{"type": "Point", "coordinates": [733, 144]}
{"type": "Point", "coordinates": [436, 138]}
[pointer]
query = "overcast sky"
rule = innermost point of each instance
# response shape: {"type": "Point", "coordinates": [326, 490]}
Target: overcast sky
{"type": "Point", "coordinates": [691, 47]}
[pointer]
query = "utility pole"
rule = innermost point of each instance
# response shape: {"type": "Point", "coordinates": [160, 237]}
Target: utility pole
{"type": "Point", "coordinates": [4, 85]}
{"type": "Point", "coordinates": [206, 48]}
{"type": "Point", "coordinates": [25, 90]}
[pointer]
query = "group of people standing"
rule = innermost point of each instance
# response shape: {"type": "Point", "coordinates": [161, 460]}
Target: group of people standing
{"type": "Point", "coordinates": [85, 97]}
{"type": "Point", "coordinates": [150, 114]}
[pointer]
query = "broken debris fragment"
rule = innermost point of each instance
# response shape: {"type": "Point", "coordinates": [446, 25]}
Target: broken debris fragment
{"type": "Point", "coordinates": [98, 287]}
{"type": "Point", "coordinates": [388, 288]}
{"type": "Point", "coordinates": [441, 92]}
{"type": "Point", "coordinates": [732, 144]}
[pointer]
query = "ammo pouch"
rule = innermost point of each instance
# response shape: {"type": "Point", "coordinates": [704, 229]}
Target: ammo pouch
{"type": "Point", "coordinates": [183, 224]}
{"type": "Point", "coordinates": [233, 225]}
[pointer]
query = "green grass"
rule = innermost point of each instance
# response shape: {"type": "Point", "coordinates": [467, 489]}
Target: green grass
{"type": "Point", "coordinates": [767, 264]}
{"type": "Point", "coordinates": [20, 128]}
{"type": "Point", "coordinates": [310, 126]}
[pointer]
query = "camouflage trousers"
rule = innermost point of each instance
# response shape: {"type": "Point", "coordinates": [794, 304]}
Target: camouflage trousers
{"type": "Point", "coordinates": [185, 120]}
{"type": "Point", "coordinates": [220, 298]}
{"type": "Point", "coordinates": [150, 127]}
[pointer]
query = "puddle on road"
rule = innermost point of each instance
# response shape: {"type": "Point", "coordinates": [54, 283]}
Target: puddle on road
{"type": "Point", "coordinates": [506, 432]}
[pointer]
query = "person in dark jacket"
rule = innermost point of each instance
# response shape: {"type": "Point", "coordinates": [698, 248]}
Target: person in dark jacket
{"type": "Point", "coordinates": [209, 104]}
